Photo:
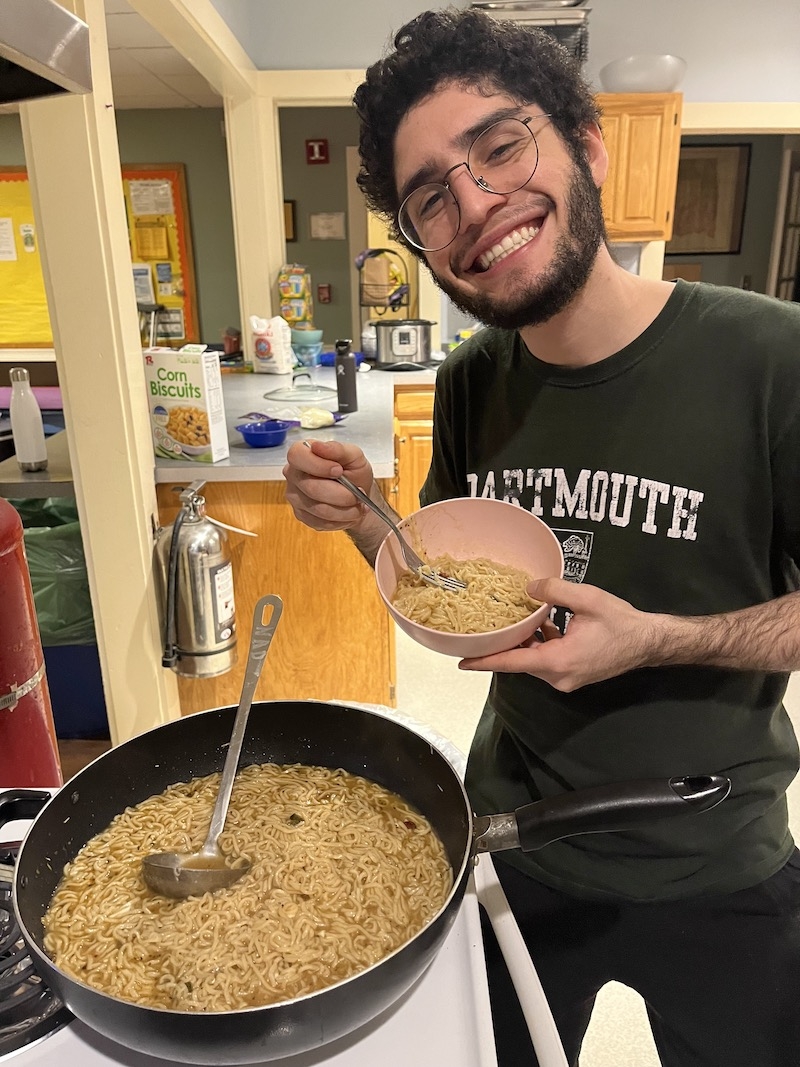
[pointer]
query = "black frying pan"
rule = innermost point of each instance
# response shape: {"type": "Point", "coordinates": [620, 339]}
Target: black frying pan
{"type": "Point", "coordinates": [362, 742]}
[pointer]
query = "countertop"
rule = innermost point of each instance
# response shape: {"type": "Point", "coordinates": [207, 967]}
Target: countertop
{"type": "Point", "coordinates": [371, 428]}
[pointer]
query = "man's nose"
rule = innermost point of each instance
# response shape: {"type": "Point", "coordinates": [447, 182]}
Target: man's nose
{"type": "Point", "coordinates": [474, 200]}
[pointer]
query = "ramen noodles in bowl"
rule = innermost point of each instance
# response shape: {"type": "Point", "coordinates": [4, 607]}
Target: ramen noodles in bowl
{"type": "Point", "coordinates": [344, 872]}
{"type": "Point", "coordinates": [496, 548]}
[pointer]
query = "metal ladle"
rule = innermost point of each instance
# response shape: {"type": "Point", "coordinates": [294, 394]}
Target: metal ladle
{"type": "Point", "coordinates": [190, 874]}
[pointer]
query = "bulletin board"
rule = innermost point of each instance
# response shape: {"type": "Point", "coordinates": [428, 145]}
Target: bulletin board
{"type": "Point", "coordinates": [161, 253]}
{"type": "Point", "coordinates": [161, 247]}
{"type": "Point", "coordinates": [24, 318]}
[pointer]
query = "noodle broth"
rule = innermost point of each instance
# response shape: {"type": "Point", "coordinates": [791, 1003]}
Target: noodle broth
{"type": "Point", "coordinates": [344, 872]}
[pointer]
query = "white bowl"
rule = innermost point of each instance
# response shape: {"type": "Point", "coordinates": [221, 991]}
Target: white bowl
{"type": "Point", "coordinates": [643, 74]}
{"type": "Point", "coordinates": [470, 528]}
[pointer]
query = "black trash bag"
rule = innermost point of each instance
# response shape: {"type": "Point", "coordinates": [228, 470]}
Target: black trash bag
{"type": "Point", "coordinates": [57, 564]}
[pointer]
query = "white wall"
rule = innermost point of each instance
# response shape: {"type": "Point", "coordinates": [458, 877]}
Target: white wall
{"type": "Point", "coordinates": [736, 50]}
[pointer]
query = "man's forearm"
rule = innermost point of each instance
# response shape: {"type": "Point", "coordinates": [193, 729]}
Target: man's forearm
{"type": "Point", "coordinates": [369, 534]}
{"type": "Point", "coordinates": [764, 637]}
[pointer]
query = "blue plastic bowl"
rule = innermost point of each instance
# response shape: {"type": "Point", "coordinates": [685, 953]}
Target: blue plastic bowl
{"type": "Point", "coordinates": [264, 434]}
{"type": "Point", "coordinates": [307, 355]}
{"type": "Point", "coordinates": [306, 337]}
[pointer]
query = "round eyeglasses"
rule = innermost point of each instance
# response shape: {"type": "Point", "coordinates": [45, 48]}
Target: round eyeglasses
{"type": "Point", "coordinates": [501, 159]}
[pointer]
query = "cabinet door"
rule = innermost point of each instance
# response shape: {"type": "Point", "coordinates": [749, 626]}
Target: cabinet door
{"type": "Point", "coordinates": [414, 451]}
{"type": "Point", "coordinates": [335, 640]}
{"type": "Point", "coordinates": [413, 409]}
{"type": "Point", "coordinates": [642, 133]}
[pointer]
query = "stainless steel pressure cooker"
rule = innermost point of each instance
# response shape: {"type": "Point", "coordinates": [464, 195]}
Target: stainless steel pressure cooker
{"type": "Point", "coordinates": [403, 341]}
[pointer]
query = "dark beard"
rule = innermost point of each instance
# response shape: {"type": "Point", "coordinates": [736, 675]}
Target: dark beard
{"type": "Point", "coordinates": [572, 264]}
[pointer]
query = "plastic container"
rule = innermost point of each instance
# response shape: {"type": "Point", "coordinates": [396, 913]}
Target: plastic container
{"type": "Point", "coordinates": [27, 427]}
{"type": "Point", "coordinates": [264, 434]}
{"type": "Point", "coordinates": [306, 337]}
{"type": "Point", "coordinates": [307, 355]}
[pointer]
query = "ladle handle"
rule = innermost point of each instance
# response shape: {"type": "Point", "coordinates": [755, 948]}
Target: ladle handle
{"type": "Point", "coordinates": [260, 640]}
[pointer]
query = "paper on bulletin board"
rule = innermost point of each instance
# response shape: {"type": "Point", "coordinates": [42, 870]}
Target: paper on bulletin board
{"type": "Point", "coordinates": [8, 249]}
{"type": "Point", "coordinates": [151, 196]}
{"type": "Point", "coordinates": [24, 317]}
{"type": "Point", "coordinates": [151, 240]}
{"type": "Point", "coordinates": [143, 283]}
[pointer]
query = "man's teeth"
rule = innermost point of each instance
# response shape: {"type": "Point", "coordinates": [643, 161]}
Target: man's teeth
{"type": "Point", "coordinates": [510, 243]}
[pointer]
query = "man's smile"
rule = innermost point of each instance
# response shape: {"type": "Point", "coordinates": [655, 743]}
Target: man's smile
{"type": "Point", "coordinates": [505, 239]}
{"type": "Point", "coordinates": [510, 243]}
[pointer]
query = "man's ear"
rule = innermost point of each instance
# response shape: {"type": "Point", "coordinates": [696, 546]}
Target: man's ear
{"type": "Point", "coordinates": [596, 153]}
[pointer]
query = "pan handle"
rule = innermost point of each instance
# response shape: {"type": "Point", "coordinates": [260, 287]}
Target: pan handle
{"type": "Point", "coordinates": [21, 804]}
{"type": "Point", "coordinates": [601, 809]}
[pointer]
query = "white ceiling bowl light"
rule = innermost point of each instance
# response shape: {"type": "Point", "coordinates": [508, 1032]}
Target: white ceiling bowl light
{"type": "Point", "coordinates": [643, 74]}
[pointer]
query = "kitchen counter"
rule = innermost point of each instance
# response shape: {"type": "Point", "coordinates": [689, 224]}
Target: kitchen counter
{"type": "Point", "coordinates": [55, 481]}
{"type": "Point", "coordinates": [371, 428]}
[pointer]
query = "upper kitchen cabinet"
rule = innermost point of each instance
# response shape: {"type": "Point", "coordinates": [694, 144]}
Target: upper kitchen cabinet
{"type": "Point", "coordinates": [642, 132]}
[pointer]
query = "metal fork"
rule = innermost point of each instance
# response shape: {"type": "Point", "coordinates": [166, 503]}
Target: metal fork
{"type": "Point", "coordinates": [414, 563]}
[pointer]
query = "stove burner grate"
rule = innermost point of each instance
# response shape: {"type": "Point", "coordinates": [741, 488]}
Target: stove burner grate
{"type": "Point", "coordinates": [29, 1010]}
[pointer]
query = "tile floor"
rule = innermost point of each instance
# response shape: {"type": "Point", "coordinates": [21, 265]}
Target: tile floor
{"type": "Point", "coordinates": [431, 689]}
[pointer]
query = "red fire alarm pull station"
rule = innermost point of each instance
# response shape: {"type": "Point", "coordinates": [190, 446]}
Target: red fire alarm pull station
{"type": "Point", "coordinates": [316, 151]}
{"type": "Point", "coordinates": [324, 295]}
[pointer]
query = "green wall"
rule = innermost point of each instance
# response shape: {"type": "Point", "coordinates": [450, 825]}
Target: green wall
{"type": "Point", "coordinates": [194, 137]}
{"type": "Point", "coordinates": [320, 188]}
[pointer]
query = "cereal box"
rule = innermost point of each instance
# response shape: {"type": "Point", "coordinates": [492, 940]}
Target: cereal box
{"type": "Point", "coordinates": [184, 395]}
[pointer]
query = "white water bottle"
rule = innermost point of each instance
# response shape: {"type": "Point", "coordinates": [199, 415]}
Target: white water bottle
{"type": "Point", "coordinates": [27, 428]}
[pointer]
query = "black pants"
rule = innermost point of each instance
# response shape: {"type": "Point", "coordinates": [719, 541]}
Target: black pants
{"type": "Point", "coordinates": [720, 976]}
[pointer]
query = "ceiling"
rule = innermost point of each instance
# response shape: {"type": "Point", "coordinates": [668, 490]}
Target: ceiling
{"type": "Point", "coordinates": [147, 72]}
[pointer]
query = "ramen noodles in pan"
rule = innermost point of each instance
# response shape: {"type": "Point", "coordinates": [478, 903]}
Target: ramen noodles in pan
{"type": "Point", "coordinates": [344, 872]}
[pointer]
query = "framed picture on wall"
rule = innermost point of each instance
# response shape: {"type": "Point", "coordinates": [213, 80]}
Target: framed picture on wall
{"type": "Point", "coordinates": [710, 200]}
{"type": "Point", "coordinates": [289, 220]}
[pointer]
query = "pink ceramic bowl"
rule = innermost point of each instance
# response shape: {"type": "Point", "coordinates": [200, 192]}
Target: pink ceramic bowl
{"type": "Point", "coordinates": [467, 528]}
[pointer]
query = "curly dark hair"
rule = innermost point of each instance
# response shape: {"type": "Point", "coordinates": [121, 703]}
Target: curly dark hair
{"type": "Point", "coordinates": [470, 48]}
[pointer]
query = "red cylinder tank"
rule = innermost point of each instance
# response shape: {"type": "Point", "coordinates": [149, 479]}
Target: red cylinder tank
{"type": "Point", "coordinates": [28, 747]}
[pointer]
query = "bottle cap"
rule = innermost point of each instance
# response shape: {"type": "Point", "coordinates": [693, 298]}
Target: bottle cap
{"type": "Point", "coordinates": [19, 374]}
{"type": "Point", "coordinates": [343, 345]}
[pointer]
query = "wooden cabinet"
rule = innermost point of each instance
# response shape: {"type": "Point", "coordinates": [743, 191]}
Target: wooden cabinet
{"type": "Point", "coordinates": [642, 132]}
{"type": "Point", "coordinates": [413, 411]}
{"type": "Point", "coordinates": [335, 640]}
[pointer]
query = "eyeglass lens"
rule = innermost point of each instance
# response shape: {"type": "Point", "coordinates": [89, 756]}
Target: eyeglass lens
{"type": "Point", "coordinates": [500, 160]}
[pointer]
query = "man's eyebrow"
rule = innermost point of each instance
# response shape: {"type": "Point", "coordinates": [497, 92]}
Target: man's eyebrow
{"type": "Point", "coordinates": [427, 172]}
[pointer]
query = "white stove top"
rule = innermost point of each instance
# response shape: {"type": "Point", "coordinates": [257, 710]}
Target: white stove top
{"type": "Point", "coordinates": [444, 1020]}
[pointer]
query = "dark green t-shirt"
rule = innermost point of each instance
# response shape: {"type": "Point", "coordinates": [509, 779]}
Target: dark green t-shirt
{"type": "Point", "coordinates": [669, 473]}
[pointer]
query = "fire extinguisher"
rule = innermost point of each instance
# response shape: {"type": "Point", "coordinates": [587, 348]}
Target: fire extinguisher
{"type": "Point", "coordinates": [28, 746]}
{"type": "Point", "coordinates": [195, 584]}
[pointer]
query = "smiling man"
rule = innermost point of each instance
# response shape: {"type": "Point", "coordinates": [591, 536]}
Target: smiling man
{"type": "Point", "coordinates": [656, 429]}
{"type": "Point", "coordinates": [467, 234]}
